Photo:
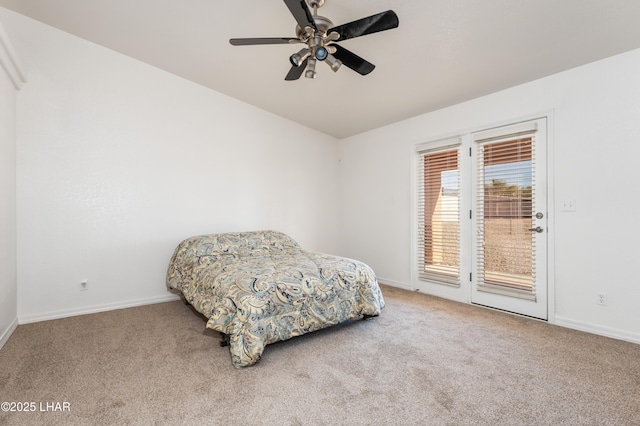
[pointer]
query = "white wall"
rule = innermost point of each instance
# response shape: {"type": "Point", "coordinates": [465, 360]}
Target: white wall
{"type": "Point", "coordinates": [117, 162]}
{"type": "Point", "coordinates": [595, 157]}
{"type": "Point", "coordinates": [10, 81]}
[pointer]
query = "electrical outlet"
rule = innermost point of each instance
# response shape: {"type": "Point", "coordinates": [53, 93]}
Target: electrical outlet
{"type": "Point", "coordinates": [568, 206]}
{"type": "Point", "coordinates": [84, 286]}
{"type": "Point", "coordinates": [601, 298]}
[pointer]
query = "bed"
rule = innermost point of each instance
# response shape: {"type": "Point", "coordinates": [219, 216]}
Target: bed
{"type": "Point", "coordinates": [257, 288]}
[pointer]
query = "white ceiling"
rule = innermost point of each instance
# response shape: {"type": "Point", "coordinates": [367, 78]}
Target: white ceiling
{"type": "Point", "coordinates": [444, 51]}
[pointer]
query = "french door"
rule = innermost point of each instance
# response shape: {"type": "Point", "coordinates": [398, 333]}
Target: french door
{"type": "Point", "coordinates": [509, 218]}
{"type": "Point", "coordinates": [482, 218]}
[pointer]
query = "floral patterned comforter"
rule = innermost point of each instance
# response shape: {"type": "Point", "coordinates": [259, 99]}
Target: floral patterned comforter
{"type": "Point", "coordinates": [261, 287]}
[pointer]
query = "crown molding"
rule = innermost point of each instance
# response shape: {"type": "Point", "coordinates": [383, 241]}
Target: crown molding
{"type": "Point", "coordinates": [9, 61]}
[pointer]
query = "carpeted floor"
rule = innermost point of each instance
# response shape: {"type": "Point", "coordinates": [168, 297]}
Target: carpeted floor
{"type": "Point", "coordinates": [424, 361]}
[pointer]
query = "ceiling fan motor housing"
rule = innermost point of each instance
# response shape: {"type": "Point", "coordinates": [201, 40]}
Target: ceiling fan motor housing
{"type": "Point", "coordinates": [323, 24]}
{"type": "Point", "coordinates": [317, 40]}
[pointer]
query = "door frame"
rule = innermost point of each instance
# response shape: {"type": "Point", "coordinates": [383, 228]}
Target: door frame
{"type": "Point", "coordinates": [463, 293]}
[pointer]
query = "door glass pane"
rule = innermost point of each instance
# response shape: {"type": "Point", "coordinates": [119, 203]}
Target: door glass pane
{"type": "Point", "coordinates": [440, 229]}
{"type": "Point", "coordinates": [506, 258]}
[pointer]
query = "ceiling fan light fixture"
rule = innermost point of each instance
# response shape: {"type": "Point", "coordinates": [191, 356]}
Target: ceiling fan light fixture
{"type": "Point", "coordinates": [298, 58]}
{"type": "Point", "coordinates": [321, 53]}
{"type": "Point", "coordinates": [333, 62]}
{"type": "Point", "coordinates": [311, 69]}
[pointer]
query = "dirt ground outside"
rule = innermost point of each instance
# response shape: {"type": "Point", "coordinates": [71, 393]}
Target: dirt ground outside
{"type": "Point", "coordinates": [508, 246]}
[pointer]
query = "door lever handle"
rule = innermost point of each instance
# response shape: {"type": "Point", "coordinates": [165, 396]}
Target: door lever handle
{"type": "Point", "coordinates": [537, 229]}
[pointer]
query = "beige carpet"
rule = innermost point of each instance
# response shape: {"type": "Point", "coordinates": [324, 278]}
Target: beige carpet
{"type": "Point", "coordinates": [424, 361]}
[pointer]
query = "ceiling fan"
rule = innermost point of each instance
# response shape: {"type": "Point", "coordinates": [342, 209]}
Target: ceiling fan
{"type": "Point", "coordinates": [320, 36]}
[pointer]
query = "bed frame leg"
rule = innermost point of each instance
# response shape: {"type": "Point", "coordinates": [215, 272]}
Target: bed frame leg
{"type": "Point", "coordinates": [224, 340]}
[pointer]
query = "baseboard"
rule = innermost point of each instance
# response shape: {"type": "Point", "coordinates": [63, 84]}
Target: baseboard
{"type": "Point", "coordinates": [392, 283]}
{"type": "Point", "coordinates": [598, 329]}
{"type": "Point", "coordinates": [8, 332]}
{"type": "Point", "coordinates": [95, 309]}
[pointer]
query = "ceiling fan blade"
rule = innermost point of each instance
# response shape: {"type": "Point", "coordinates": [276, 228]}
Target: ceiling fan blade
{"type": "Point", "coordinates": [353, 61]}
{"type": "Point", "coordinates": [270, 40]}
{"type": "Point", "coordinates": [301, 13]}
{"type": "Point", "coordinates": [372, 24]}
{"type": "Point", "coordinates": [296, 72]}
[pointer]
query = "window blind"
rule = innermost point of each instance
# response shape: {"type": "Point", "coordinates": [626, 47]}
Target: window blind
{"type": "Point", "coordinates": [504, 215]}
{"type": "Point", "coordinates": [438, 200]}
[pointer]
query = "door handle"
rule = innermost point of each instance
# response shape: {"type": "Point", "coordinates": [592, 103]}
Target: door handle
{"type": "Point", "coordinates": [537, 229]}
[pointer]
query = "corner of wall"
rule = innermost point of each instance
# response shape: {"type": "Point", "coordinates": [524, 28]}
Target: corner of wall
{"type": "Point", "coordinates": [4, 337]}
{"type": "Point", "coordinates": [10, 62]}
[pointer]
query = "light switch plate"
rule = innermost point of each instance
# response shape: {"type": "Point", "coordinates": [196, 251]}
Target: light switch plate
{"type": "Point", "coordinates": [568, 206]}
